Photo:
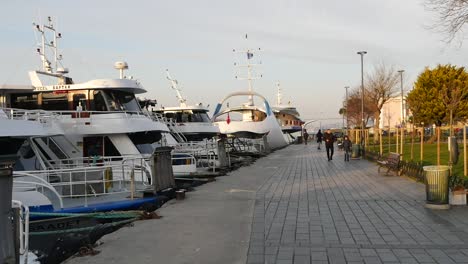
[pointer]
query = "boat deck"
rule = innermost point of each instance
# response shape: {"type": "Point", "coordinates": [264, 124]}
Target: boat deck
{"type": "Point", "coordinates": [294, 206]}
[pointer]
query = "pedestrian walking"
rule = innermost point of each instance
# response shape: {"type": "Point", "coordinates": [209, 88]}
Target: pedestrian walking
{"type": "Point", "coordinates": [329, 141]}
{"type": "Point", "coordinates": [319, 138]}
{"type": "Point", "coordinates": [347, 147]}
{"type": "Point", "coordinates": [306, 137]}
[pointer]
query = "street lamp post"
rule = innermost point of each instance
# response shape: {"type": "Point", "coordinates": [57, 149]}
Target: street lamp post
{"type": "Point", "coordinates": [347, 120]}
{"type": "Point", "coordinates": [402, 112]}
{"type": "Point", "coordinates": [401, 89]}
{"type": "Point", "coordinates": [362, 53]}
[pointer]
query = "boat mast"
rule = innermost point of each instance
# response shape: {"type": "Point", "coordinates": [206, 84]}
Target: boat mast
{"type": "Point", "coordinates": [174, 85]}
{"type": "Point", "coordinates": [250, 75]}
{"type": "Point", "coordinates": [47, 68]}
{"type": "Point", "coordinates": [278, 95]}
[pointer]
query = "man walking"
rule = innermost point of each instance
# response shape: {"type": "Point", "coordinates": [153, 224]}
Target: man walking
{"type": "Point", "coordinates": [319, 139]}
{"type": "Point", "coordinates": [329, 141]}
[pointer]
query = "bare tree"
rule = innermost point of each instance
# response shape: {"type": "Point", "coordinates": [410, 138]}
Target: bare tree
{"type": "Point", "coordinates": [452, 15]}
{"type": "Point", "coordinates": [381, 86]}
{"type": "Point", "coordinates": [354, 107]}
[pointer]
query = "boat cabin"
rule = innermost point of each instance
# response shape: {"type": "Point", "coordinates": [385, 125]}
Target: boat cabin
{"type": "Point", "coordinates": [185, 115]}
{"type": "Point", "coordinates": [72, 100]}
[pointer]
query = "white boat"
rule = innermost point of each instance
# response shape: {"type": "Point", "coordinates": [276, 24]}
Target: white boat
{"type": "Point", "coordinates": [98, 118]}
{"type": "Point", "coordinates": [288, 117]}
{"type": "Point", "coordinates": [192, 121]}
{"type": "Point", "coordinates": [248, 120]}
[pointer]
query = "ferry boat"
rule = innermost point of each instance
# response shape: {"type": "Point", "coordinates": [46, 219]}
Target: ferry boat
{"type": "Point", "coordinates": [248, 120]}
{"type": "Point", "coordinates": [100, 149]}
{"type": "Point", "coordinates": [287, 116]}
{"type": "Point", "coordinates": [192, 121]}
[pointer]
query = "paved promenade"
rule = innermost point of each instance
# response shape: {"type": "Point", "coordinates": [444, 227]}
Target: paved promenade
{"type": "Point", "coordinates": [296, 207]}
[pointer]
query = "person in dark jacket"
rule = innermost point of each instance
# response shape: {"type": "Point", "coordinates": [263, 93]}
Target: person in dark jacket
{"type": "Point", "coordinates": [329, 141]}
{"type": "Point", "coordinates": [347, 147]}
{"type": "Point", "coordinates": [306, 137]}
{"type": "Point", "coordinates": [319, 136]}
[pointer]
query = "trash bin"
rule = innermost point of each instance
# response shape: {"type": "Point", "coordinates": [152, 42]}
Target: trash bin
{"type": "Point", "coordinates": [355, 151]}
{"type": "Point", "coordinates": [161, 169]}
{"type": "Point", "coordinates": [437, 186]}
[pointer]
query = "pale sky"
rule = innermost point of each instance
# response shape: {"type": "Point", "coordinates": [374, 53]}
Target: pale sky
{"type": "Point", "coordinates": [309, 45]}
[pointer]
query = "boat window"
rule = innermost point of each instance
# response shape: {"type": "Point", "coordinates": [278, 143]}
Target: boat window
{"type": "Point", "coordinates": [109, 148]}
{"type": "Point", "coordinates": [121, 101]}
{"type": "Point", "coordinates": [24, 101]}
{"type": "Point", "coordinates": [184, 118]}
{"type": "Point", "coordinates": [200, 116]}
{"type": "Point", "coordinates": [188, 116]}
{"type": "Point", "coordinates": [144, 140]}
{"type": "Point", "coordinates": [55, 101]}
{"type": "Point", "coordinates": [170, 115]}
{"type": "Point", "coordinates": [258, 116]}
{"type": "Point", "coordinates": [98, 103]}
{"type": "Point", "coordinates": [77, 99]}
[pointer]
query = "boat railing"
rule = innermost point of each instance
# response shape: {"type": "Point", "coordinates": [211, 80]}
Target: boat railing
{"type": "Point", "coordinates": [172, 125]}
{"type": "Point", "coordinates": [85, 182]}
{"type": "Point", "coordinates": [204, 152]}
{"type": "Point", "coordinates": [246, 145]}
{"type": "Point", "coordinates": [44, 115]}
{"type": "Point", "coordinates": [23, 228]}
{"type": "Point", "coordinates": [91, 114]}
{"type": "Point", "coordinates": [156, 116]}
{"type": "Point", "coordinates": [38, 115]}
{"type": "Point", "coordinates": [38, 184]}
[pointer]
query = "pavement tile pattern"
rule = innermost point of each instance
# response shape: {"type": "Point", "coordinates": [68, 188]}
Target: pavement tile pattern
{"type": "Point", "coordinates": [311, 210]}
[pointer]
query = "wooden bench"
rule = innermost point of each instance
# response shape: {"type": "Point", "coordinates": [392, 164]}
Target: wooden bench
{"type": "Point", "coordinates": [392, 162]}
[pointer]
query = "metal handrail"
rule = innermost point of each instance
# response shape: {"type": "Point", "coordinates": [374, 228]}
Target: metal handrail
{"type": "Point", "coordinates": [14, 113]}
{"type": "Point", "coordinates": [44, 180]}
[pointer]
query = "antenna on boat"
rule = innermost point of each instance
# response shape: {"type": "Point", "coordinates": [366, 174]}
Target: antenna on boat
{"type": "Point", "coordinates": [48, 30]}
{"type": "Point", "coordinates": [278, 96]}
{"type": "Point", "coordinates": [121, 66]}
{"type": "Point", "coordinates": [174, 85]}
{"type": "Point", "coordinates": [250, 75]}
{"type": "Point", "coordinates": [45, 31]}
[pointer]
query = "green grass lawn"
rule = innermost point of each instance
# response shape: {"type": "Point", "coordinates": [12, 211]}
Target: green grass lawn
{"type": "Point", "coordinates": [429, 156]}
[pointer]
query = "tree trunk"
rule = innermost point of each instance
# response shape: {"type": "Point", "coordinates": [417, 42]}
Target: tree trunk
{"type": "Point", "coordinates": [422, 145]}
{"type": "Point", "coordinates": [389, 140]}
{"type": "Point", "coordinates": [380, 142]}
{"type": "Point", "coordinates": [451, 124]}
{"type": "Point", "coordinates": [412, 142]}
{"type": "Point", "coordinates": [376, 125]}
{"type": "Point", "coordinates": [438, 145]}
{"type": "Point", "coordinates": [397, 141]}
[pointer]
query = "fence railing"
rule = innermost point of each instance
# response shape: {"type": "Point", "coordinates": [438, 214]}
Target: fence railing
{"type": "Point", "coordinates": [412, 169]}
{"type": "Point", "coordinates": [82, 182]}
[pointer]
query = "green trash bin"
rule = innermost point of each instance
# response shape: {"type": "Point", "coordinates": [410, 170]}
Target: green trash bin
{"type": "Point", "coordinates": [355, 150]}
{"type": "Point", "coordinates": [437, 186]}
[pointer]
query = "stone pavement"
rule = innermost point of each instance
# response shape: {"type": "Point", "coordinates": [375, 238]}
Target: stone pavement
{"type": "Point", "coordinates": [314, 211]}
{"type": "Point", "coordinates": [294, 206]}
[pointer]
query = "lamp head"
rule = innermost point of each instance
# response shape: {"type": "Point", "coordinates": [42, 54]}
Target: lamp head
{"type": "Point", "coordinates": [362, 52]}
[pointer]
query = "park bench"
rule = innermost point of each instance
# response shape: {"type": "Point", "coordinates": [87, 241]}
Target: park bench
{"type": "Point", "coordinates": [392, 162]}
